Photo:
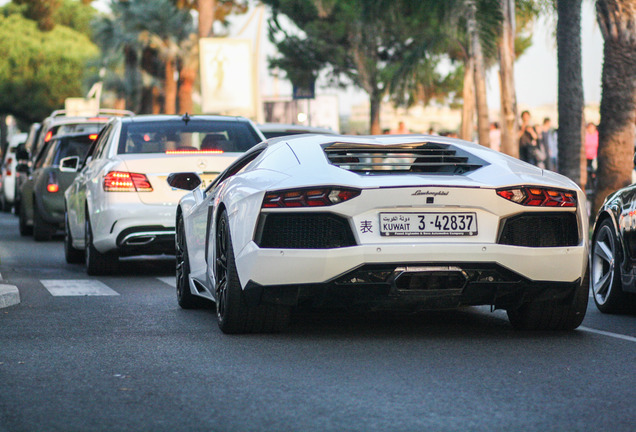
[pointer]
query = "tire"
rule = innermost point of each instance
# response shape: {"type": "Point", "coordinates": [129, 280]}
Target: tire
{"type": "Point", "coordinates": [42, 230]}
{"type": "Point", "coordinates": [185, 298]}
{"type": "Point", "coordinates": [97, 263]}
{"type": "Point", "coordinates": [25, 229]}
{"type": "Point", "coordinates": [71, 254]}
{"type": "Point", "coordinates": [233, 313]}
{"type": "Point", "coordinates": [606, 271]}
{"type": "Point", "coordinates": [555, 314]}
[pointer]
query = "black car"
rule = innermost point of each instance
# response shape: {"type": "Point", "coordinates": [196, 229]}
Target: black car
{"type": "Point", "coordinates": [613, 258]}
{"type": "Point", "coordinates": [41, 208]}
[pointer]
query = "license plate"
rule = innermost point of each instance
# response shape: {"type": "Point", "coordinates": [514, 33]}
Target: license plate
{"type": "Point", "coordinates": [428, 224]}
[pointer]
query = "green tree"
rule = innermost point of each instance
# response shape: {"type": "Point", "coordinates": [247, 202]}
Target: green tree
{"type": "Point", "coordinates": [364, 42]}
{"type": "Point", "coordinates": [617, 20]}
{"type": "Point", "coordinates": [41, 11]}
{"type": "Point", "coordinates": [40, 69]}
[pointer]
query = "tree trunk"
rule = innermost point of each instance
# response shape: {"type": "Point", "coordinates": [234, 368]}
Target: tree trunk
{"type": "Point", "coordinates": [483, 125]}
{"type": "Point", "coordinates": [570, 92]}
{"type": "Point", "coordinates": [132, 79]}
{"type": "Point", "coordinates": [207, 12]}
{"type": "Point", "coordinates": [509, 118]}
{"type": "Point", "coordinates": [187, 76]}
{"type": "Point", "coordinates": [617, 21]}
{"type": "Point", "coordinates": [170, 88]}
{"type": "Point", "coordinates": [375, 100]}
{"type": "Point", "coordinates": [468, 110]}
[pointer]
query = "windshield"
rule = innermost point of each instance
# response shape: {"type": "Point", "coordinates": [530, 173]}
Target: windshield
{"type": "Point", "coordinates": [180, 137]}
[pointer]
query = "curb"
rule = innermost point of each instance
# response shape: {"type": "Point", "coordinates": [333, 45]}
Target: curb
{"type": "Point", "coordinates": [9, 295]}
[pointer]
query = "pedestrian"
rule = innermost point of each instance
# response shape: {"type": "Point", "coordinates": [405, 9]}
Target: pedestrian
{"type": "Point", "coordinates": [591, 150]}
{"type": "Point", "coordinates": [529, 148]}
{"type": "Point", "coordinates": [401, 130]}
{"type": "Point", "coordinates": [550, 142]}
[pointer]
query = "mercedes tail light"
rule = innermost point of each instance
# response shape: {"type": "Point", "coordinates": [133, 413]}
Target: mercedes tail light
{"type": "Point", "coordinates": [118, 181]}
{"type": "Point", "coordinates": [308, 197]}
{"type": "Point", "coordinates": [539, 196]}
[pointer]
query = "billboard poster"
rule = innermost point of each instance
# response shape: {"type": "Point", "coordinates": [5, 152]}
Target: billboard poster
{"type": "Point", "coordinates": [227, 77]}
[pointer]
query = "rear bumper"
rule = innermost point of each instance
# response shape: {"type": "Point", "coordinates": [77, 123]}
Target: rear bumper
{"type": "Point", "coordinates": [301, 266]}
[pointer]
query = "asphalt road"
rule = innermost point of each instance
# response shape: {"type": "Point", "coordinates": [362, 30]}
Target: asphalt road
{"type": "Point", "coordinates": [132, 360]}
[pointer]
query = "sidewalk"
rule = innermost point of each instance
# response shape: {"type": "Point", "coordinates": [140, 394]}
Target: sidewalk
{"type": "Point", "coordinates": [9, 294]}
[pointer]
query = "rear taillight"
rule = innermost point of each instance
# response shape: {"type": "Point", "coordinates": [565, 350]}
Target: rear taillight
{"type": "Point", "coordinates": [92, 137]}
{"type": "Point", "coordinates": [48, 136]}
{"type": "Point", "coordinates": [9, 160]}
{"type": "Point", "coordinates": [308, 197]}
{"type": "Point", "coordinates": [51, 185]}
{"type": "Point", "coordinates": [118, 181]}
{"type": "Point", "coordinates": [539, 197]}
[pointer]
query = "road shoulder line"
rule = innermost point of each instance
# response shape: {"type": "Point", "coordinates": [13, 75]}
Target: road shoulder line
{"type": "Point", "coordinates": [610, 334]}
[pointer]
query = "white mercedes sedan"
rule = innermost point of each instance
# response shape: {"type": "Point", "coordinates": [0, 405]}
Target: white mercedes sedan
{"type": "Point", "coordinates": [120, 204]}
{"type": "Point", "coordinates": [384, 222]}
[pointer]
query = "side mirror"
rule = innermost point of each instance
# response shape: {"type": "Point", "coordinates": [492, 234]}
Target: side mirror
{"type": "Point", "coordinates": [22, 168]}
{"type": "Point", "coordinates": [69, 164]}
{"type": "Point", "coordinates": [21, 153]}
{"type": "Point", "coordinates": [186, 181]}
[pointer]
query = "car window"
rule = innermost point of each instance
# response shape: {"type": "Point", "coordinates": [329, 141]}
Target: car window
{"type": "Point", "coordinates": [46, 156]}
{"type": "Point", "coordinates": [100, 144]}
{"type": "Point", "coordinates": [178, 136]}
{"type": "Point", "coordinates": [238, 166]}
{"type": "Point", "coordinates": [71, 146]}
{"type": "Point", "coordinates": [80, 128]}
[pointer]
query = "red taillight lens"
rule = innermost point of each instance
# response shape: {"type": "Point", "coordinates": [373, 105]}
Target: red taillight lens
{"type": "Point", "coordinates": [92, 136]}
{"type": "Point", "coordinates": [118, 181]}
{"type": "Point", "coordinates": [48, 136]}
{"type": "Point", "coordinates": [52, 187]}
{"type": "Point", "coordinates": [9, 160]}
{"type": "Point", "coordinates": [314, 197]}
{"type": "Point", "coordinates": [539, 197]}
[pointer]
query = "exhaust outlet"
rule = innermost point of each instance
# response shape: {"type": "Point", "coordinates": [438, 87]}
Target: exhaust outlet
{"type": "Point", "coordinates": [447, 279]}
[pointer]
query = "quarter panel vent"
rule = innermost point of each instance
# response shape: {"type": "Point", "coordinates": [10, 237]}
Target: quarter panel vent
{"type": "Point", "coordinates": [303, 231]}
{"type": "Point", "coordinates": [540, 230]}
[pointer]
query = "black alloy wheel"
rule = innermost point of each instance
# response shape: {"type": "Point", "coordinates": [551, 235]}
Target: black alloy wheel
{"type": "Point", "coordinates": [606, 270]}
{"type": "Point", "coordinates": [233, 313]}
{"type": "Point", "coordinates": [97, 263]}
{"type": "Point", "coordinates": [185, 298]}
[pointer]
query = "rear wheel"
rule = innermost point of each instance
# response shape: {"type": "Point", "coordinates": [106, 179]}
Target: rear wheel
{"type": "Point", "coordinates": [606, 274]}
{"type": "Point", "coordinates": [42, 230]}
{"type": "Point", "coordinates": [553, 314]}
{"type": "Point", "coordinates": [233, 313]}
{"type": "Point", "coordinates": [185, 298]}
{"type": "Point", "coordinates": [25, 229]}
{"type": "Point", "coordinates": [71, 254]}
{"type": "Point", "coordinates": [97, 263]}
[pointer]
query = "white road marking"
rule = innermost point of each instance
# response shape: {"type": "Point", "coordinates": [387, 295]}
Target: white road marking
{"type": "Point", "coordinates": [610, 334]}
{"type": "Point", "coordinates": [77, 287]}
{"type": "Point", "coordinates": [170, 280]}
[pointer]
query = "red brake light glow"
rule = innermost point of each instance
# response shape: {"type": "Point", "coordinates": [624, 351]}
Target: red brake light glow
{"type": "Point", "coordinates": [52, 187]}
{"type": "Point", "coordinates": [117, 181]}
{"type": "Point", "coordinates": [48, 136]}
{"type": "Point", "coordinates": [92, 136]}
{"type": "Point", "coordinates": [190, 152]}
{"type": "Point", "coordinates": [539, 196]}
{"type": "Point", "coordinates": [308, 197]}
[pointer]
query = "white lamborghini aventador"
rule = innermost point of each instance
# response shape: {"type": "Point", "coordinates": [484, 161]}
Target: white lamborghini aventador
{"type": "Point", "coordinates": [386, 222]}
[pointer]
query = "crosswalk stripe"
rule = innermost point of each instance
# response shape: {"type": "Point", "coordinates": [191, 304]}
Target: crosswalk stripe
{"type": "Point", "coordinates": [170, 280]}
{"type": "Point", "coordinates": [77, 287]}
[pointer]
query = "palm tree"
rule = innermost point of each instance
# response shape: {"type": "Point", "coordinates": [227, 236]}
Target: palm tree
{"type": "Point", "coordinates": [570, 92]}
{"type": "Point", "coordinates": [617, 20]}
{"type": "Point", "coordinates": [506, 49]}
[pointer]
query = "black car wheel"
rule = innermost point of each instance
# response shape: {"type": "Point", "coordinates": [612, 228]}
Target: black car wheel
{"type": "Point", "coordinates": [71, 254]}
{"type": "Point", "coordinates": [185, 298]}
{"type": "Point", "coordinates": [25, 229]}
{"type": "Point", "coordinates": [97, 263]}
{"type": "Point", "coordinates": [553, 314]}
{"type": "Point", "coordinates": [606, 270]}
{"type": "Point", "coordinates": [42, 230]}
{"type": "Point", "coordinates": [234, 315]}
